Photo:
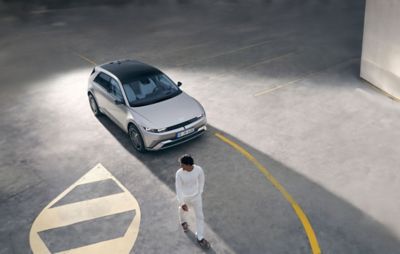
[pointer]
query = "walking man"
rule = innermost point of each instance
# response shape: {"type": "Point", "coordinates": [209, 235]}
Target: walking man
{"type": "Point", "coordinates": [189, 183]}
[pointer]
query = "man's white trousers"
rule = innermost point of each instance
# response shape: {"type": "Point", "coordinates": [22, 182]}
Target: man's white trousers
{"type": "Point", "coordinates": [196, 204]}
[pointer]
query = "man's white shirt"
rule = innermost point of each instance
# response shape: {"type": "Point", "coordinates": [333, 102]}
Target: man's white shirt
{"type": "Point", "coordinates": [189, 184]}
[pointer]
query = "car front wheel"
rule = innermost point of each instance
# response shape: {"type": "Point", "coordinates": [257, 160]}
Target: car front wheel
{"type": "Point", "coordinates": [136, 138]}
{"type": "Point", "coordinates": [94, 106]}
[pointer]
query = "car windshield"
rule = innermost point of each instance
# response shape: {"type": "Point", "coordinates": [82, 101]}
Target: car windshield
{"type": "Point", "coordinates": [151, 89]}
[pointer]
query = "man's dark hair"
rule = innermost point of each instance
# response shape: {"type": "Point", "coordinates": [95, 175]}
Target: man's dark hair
{"type": "Point", "coordinates": [186, 159]}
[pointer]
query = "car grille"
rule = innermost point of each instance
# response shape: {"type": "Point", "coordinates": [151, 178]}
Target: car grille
{"type": "Point", "coordinates": [182, 124]}
{"type": "Point", "coordinates": [183, 139]}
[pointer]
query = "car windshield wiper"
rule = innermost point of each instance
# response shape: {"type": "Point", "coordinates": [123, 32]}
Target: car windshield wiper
{"type": "Point", "coordinates": [155, 101]}
{"type": "Point", "coordinates": [141, 104]}
{"type": "Point", "coordinates": [161, 99]}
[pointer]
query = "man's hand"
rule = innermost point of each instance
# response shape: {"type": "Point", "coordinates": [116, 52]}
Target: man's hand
{"type": "Point", "coordinates": [185, 208]}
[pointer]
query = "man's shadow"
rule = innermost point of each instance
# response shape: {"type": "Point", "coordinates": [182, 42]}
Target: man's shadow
{"type": "Point", "coordinates": [193, 238]}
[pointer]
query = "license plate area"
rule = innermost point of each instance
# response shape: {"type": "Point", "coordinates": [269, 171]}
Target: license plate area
{"type": "Point", "coordinates": [184, 133]}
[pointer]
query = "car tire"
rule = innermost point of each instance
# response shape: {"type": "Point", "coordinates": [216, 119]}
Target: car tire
{"type": "Point", "coordinates": [94, 106]}
{"type": "Point", "coordinates": [136, 138]}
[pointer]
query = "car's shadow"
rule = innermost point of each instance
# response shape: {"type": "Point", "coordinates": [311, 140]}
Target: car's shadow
{"type": "Point", "coordinates": [250, 215]}
{"type": "Point", "coordinates": [148, 157]}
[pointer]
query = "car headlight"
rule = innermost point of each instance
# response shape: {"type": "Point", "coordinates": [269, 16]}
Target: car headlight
{"type": "Point", "coordinates": [201, 115]}
{"type": "Point", "coordinates": [154, 130]}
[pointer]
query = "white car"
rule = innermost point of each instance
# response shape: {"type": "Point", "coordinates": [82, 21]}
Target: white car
{"type": "Point", "coordinates": [146, 104]}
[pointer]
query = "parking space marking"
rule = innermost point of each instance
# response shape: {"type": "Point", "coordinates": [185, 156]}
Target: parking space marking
{"type": "Point", "coordinates": [227, 52]}
{"type": "Point", "coordinates": [306, 76]}
{"type": "Point", "coordinates": [246, 67]}
{"type": "Point", "coordinates": [268, 60]}
{"type": "Point", "coordinates": [198, 45]}
{"type": "Point", "coordinates": [85, 58]}
{"type": "Point", "coordinates": [83, 211]}
{"type": "Point", "coordinates": [296, 207]}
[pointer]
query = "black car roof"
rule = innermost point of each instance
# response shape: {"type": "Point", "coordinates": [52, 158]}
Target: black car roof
{"type": "Point", "coordinates": [128, 70]}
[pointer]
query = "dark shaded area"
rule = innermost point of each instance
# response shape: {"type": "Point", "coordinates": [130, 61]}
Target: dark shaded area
{"type": "Point", "coordinates": [226, 36]}
{"type": "Point", "coordinates": [88, 232]}
{"type": "Point", "coordinates": [90, 191]}
{"type": "Point", "coordinates": [193, 238]}
{"type": "Point", "coordinates": [21, 8]}
{"type": "Point", "coordinates": [236, 216]}
{"type": "Point", "coordinates": [208, 38]}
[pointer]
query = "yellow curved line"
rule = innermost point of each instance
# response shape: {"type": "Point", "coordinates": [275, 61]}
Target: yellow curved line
{"type": "Point", "coordinates": [296, 207]}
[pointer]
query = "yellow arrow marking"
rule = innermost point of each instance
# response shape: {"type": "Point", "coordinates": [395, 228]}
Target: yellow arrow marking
{"type": "Point", "coordinates": [86, 210]}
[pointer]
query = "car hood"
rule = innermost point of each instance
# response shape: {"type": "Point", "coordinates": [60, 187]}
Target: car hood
{"type": "Point", "coordinates": [170, 112]}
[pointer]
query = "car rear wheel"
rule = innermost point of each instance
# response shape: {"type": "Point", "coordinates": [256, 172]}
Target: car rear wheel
{"type": "Point", "coordinates": [136, 138]}
{"type": "Point", "coordinates": [94, 106]}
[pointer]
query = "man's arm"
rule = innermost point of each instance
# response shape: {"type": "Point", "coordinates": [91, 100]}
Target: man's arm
{"type": "Point", "coordinates": [201, 181]}
{"type": "Point", "coordinates": [178, 188]}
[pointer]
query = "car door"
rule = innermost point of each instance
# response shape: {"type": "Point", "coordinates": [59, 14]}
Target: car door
{"type": "Point", "coordinates": [103, 86]}
{"type": "Point", "coordinates": [116, 102]}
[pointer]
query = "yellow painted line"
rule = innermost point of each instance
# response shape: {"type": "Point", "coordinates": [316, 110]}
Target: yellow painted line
{"type": "Point", "coordinates": [270, 90]}
{"type": "Point", "coordinates": [86, 210]}
{"type": "Point", "coordinates": [105, 247]}
{"type": "Point", "coordinates": [265, 61]}
{"type": "Point", "coordinates": [199, 45]}
{"type": "Point", "coordinates": [228, 52]}
{"type": "Point", "coordinates": [303, 77]}
{"type": "Point", "coordinates": [68, 214]}
{"type": "Point", "coordinates": [96, 174]}
{"type": "Point", "coordinates": [269, 60]}
{"type": "Point", "coordinates": [296, 207]}
{"type": "Point", "coordinates": [86, 59]}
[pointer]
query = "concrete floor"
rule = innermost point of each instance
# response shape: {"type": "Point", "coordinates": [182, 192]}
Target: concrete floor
{"type": "Point", "coordinates": [278, 77]}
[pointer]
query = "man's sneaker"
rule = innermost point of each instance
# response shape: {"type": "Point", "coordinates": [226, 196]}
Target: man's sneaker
{"type": "Point", "coordinates": [185, 227]}
{"type": "Point", "coordinates": [204, 243]}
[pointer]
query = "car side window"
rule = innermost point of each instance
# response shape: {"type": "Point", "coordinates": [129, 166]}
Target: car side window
{"type": "Point", "coordinates": [115, 89]}
{"type": "Point", "coordinates": [103, 80]}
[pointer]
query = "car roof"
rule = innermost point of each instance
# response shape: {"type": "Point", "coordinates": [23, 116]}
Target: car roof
{"type": "Point", "coordinates": [128, 70]}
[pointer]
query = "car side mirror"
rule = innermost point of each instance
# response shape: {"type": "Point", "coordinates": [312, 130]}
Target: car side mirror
{"type": "Point", "coordinates": [118, 102]}
{"type": "Point", "coordinates": [179, 83]}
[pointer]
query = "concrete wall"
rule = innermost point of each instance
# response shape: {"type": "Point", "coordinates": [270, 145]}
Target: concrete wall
{"type": "Point", "coordinates": [380, 62]}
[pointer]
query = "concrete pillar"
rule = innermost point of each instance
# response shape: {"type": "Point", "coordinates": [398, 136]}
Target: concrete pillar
{"type": "Point", "coordinates": [380, 61]}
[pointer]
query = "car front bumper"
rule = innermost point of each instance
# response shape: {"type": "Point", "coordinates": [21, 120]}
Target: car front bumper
{"type": "Point", "coordinates": [159, 141]}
